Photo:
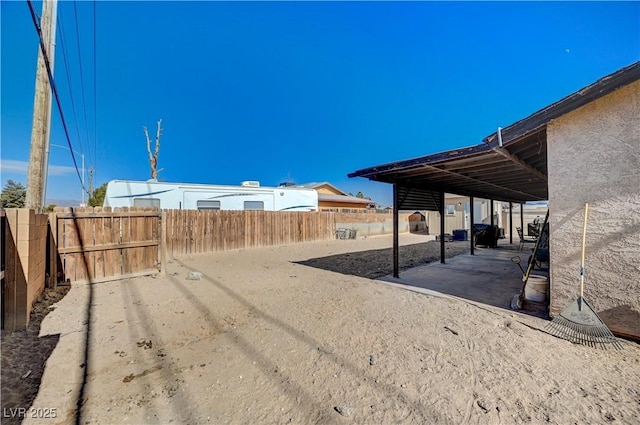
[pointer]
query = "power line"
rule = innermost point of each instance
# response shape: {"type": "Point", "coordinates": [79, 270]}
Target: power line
{"type": "Point", "coordinates": [95, 91]}
{"type": "Point", "coordinates": [84, 103]}
{"type": "Point", "coordinates": [66, 67]}
{"type": "Point", "coordinates": [54, 88]}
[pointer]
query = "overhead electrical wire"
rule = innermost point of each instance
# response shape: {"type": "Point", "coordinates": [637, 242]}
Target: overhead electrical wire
{"type": "Point", "coordinates": [54, 88]}
{"type": "Point", "coordinates": [84, 102]}
{"type": "Point", "coordinates": [66, 67]}
{"type": "Point", "coordinates": [95, 94]}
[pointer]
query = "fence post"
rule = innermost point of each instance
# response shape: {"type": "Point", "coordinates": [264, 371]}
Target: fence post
{"type": "Point", "coordinates": [163, 241]}
{"type": "Point", "coordinates": [53, 250]}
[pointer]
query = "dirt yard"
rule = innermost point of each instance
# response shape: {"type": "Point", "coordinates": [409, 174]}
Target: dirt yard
{"type": "Point", "coordinates": [297, 335]}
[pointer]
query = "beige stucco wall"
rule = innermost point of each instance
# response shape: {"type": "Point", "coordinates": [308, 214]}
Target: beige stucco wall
{"type": "Point", "coordinates": [451, 222]}
{"type": "Point", "coordinates": [530, 213]}
{"type": "Point", "coordinates": [370, 224]}
{"type": "Point", "coordinates": [457, 220]}
{"type": "Point", "coordinates": [594, 157]}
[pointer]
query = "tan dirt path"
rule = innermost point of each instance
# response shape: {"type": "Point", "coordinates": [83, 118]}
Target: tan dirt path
{"type": "Point", "coordinates": [263, 339]}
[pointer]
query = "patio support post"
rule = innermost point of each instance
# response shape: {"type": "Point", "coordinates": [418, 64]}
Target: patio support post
{"type": "Point", "coordinates": [441, 227]}
{"type": "Point", "coordinates": [471, 219]}
{"type": "Point", "coordinates": [522, 218]}
{"type": "Point", "coordinates": [491, 203]}
{"type": "Point", "coordinates": [511, 222]}
{"type": "Point", "coordinates": [396, 273]}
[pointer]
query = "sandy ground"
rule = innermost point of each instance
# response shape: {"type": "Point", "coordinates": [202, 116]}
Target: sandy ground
{"type": "Point", "coordinates": [24, 354]}
{"type": "Point", "coordinates": [264, 337]}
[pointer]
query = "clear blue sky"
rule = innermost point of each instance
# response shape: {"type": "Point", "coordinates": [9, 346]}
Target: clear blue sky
{"type": "Point", "coordinates": [311, 90]}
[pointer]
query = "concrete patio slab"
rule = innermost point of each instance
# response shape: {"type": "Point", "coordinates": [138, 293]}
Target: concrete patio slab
{"type": "Point", "coordinates": [488, 277]}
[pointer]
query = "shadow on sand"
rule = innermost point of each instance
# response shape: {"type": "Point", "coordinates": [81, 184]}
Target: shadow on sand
{"type": "Point", "coordinates": [488, 277]}
{"type": "Point", "coordinates": [377, 263]}
{"type": "Point", "coordinates": [24, 356]}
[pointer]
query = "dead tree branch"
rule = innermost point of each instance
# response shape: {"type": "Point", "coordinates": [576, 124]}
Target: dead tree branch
{"type": "Point", "coordinates": [153, 158]}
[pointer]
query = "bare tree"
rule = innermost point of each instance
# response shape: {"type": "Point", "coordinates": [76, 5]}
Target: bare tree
{"type": "Point", "coordinates": [153, 158]}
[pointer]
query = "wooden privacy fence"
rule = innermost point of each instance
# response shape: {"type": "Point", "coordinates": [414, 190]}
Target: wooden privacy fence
{"type": "Point", "coordinates": [190, 231]}
{"type": "Point", "coordinates": [97, 244]}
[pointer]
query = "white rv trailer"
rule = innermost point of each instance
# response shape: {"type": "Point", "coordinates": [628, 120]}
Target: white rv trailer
{"type": "Point", "coordinates": [248, 196]}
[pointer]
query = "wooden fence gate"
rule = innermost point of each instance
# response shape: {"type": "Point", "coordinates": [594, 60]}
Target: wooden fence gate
{"type": "Point", "coordinates": [97, 244]}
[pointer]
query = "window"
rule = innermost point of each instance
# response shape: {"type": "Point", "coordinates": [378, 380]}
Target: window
{"type": "Point", "coordinates": [146, 202]}
{"type": "Point", "coordinates": [208, 205]}
{"type": "Point", "coordinates": [450, 209]}
{"type": "Point", "coordinates": [254, 205]}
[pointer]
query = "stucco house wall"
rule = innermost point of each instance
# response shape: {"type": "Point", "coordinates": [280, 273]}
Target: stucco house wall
{"type": "Point", "coordinates": [371, 224]}
{"type": "Point", "coordinates": [594, 157]}
{"type": "Point", "coordinates": [530, 214]}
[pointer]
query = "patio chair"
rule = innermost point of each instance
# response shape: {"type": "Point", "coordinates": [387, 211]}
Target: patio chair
{"type": "Point", "coordinates": [523, 240]}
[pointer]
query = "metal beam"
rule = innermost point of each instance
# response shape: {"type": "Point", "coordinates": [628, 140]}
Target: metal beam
{"type": "Point", "coordinates": [522, 218]}
{"type": "Point", "coordinates": [520, 163]}
{"type": "Point", "coordinates": [471, 232]}
{"type": "Point", "coordinates": [511, 223]}
{"type": "Point", "coordinates": [491, 211]}
{"type": "Point", "coordinates": [396, 272]}
{"type": "Point", "coordinates": [442, 227]}
{"type": "Point", "coordinates": [482, 182]}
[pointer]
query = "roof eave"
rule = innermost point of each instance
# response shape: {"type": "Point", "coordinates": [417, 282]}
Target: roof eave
{"type": "Point", "coordinates": [423, 160]}
{"type": "Point", "coordinates": [541, 118]}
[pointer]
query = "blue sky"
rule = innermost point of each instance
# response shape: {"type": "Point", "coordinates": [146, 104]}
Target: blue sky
{"type": "Point", "coordinates": [307, 90]}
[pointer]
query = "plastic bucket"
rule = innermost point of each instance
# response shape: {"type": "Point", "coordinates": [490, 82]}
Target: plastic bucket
{"type": "Point", "coordinates": [536, 288]}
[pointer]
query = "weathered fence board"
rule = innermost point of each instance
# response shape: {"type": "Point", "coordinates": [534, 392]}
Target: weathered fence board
{"type": "Point", "coordinates": [97, 244]}
{"type": "Point", "coordinates": [190, 231]}
{"type": "Point", "coordinates": [100, 244]}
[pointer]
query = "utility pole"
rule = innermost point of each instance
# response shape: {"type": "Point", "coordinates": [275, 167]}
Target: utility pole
{"type": "Point", "coordinates": [91, 182]}
{"type": "Point", "coordinates": [40, 131]}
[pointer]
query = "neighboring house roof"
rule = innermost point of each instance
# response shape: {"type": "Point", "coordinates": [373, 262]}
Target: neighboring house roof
{"type": "Point", "coordinates": [337, 195]}
{"type": "Point", "coordinates": [315, 185]}
{"type": "Point", "coordinates": [511, 164]}
{"type": "Point", "coordinates": [343, 198]}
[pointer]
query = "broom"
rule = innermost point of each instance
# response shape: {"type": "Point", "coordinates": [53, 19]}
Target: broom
{"type": "Point", "coordinates": [578, 322]}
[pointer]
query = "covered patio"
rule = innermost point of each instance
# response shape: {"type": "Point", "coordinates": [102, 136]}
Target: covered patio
{"type": "Point", "coordinates": [511, 165]}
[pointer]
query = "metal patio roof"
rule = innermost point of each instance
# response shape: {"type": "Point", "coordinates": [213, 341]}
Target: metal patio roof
{"type": "Point", "coordinates": [510, 164]}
